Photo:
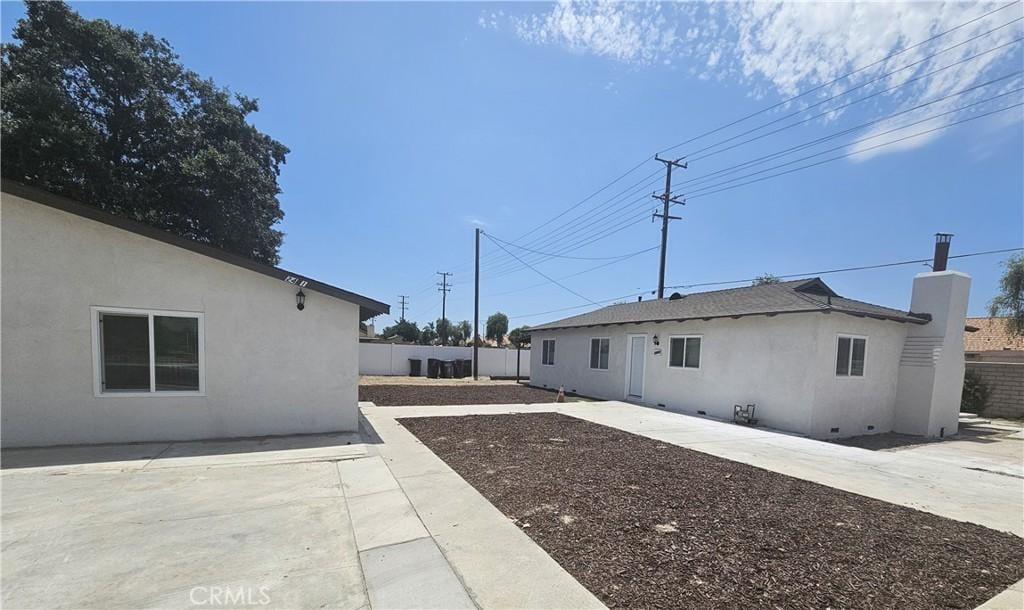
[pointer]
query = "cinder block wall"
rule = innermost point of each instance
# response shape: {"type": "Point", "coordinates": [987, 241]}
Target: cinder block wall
{"type": "Point", "coordinates": [1005, 383]}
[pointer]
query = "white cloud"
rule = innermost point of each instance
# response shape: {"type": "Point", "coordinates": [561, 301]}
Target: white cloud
{"type": "Point", "coordinates": [630, 32]}
{"type": "Point", "coordinates": [781, 49]}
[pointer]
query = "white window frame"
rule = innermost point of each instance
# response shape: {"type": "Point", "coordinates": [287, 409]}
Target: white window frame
{"type": "Point", "coordinates": [97, 352]}
{"type": "Point", "coordinates": [590, 354]}
{"type": "Point", "coordinates": [849, 363]}
{"type": "Point", "coordinates": [683, 367]}
{"type": "Point", "coordinates": [544, 352]}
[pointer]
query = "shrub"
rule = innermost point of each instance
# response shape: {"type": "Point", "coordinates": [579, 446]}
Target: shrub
{"type": "Point", "coordinates": [975, 393]}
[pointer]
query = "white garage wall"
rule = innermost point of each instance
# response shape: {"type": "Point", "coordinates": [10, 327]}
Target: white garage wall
{"type": "Point", "coordinates": [393, 358]}
{"type": "Point", "coordinates": [270, 369]}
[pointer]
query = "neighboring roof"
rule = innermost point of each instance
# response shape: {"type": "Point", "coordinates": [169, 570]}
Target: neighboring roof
{"type": "Point", "coordinates": [368, 307]}
{"type": "Point", "coordinates": [806, 295]}
{"type": "Point", "coordinates": [991, 335]}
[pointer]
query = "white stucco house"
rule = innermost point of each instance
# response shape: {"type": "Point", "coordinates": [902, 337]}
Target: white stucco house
{"type": "Point", "coordinates": [811, 361]}
{"type": "Point", "coordinates": [113, 331]}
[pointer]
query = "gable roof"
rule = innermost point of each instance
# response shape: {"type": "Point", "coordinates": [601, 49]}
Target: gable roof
{"type": "Point", "coordinates": [368, 307]}
{"type": "Point", "coordinates": [797, 296]}
{"type": "Point", "coordinates": [991, 335]}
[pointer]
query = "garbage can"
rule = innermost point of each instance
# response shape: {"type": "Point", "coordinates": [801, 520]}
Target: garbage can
{"type": "Point", "coordinates": [458, 370]}
{"type": "Point", "coordinates": [447, 369]}
{"type": "Point", "coordinates": [433, 368]}
{"type": "Point", "coordinates": [467, 368]}
{"type": "Point", "coordinates": [415, 367]}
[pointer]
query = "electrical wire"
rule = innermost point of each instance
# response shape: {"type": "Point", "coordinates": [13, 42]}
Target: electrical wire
{"type": "Point", "coordinates": [836, 80]}
{"type": "Point", "coordinates": [542, 274]}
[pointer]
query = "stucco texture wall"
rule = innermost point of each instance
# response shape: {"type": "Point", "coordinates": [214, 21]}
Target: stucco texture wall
{"type": "Point", "coordinates": [270, 369]}
{"type": "Point", "coordinates": [784, 364]}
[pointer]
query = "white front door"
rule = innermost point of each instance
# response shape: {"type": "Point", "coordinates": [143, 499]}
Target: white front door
{"type": "Point", "coordinates": [637, 353]}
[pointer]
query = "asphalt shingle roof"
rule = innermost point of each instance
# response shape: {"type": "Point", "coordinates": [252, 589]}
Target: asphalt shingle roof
{"type": "Point", "coordinates": [806, 295]}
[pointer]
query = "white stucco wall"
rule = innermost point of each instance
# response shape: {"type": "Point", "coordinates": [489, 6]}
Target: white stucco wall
{"type": "Point", "coordinates": [393, 358]}
{"type": "Point", "coordinates": [785, 364]}
{"type": "Point", "coordinates": [270, 369]}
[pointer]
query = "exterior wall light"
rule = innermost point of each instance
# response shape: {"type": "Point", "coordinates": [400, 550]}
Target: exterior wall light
{"type": "Point", "coordinates": [656, 341]}
{"type": "Point", "coordinates": [300, 300]}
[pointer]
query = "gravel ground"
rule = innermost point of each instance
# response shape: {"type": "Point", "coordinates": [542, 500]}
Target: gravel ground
{"type": "Point", "coordinates": [645, 524]}
{"type": "Point", "coordinates": [491, 394]}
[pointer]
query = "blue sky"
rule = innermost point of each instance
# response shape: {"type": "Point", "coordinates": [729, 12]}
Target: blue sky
{"type": "Point", "coordinates": [409, 124]}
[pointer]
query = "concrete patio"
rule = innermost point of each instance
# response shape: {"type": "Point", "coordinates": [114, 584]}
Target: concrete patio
{"type": "Point", "coordinates": [373, 520]}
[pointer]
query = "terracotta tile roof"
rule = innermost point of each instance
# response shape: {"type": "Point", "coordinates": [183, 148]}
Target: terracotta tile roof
{"type": "Point", "coordinates": [806, 295]}
{"type": "Point", "coordinates": [991, 336]}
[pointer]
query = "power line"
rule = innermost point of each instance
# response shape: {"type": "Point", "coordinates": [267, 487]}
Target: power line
{"type": "Point", "coordinates": [850, 154]}
{"type": "Point", "coordinates": [837, 79]}
{"type": "Point", "coordinates": [846, 269]}
{"type": "Point", "coordinates": [783, 152]}
{"type": "Point", "coordinates": [866, 138]}
{"type": "Point", "coordinates": [541, 273]}
{"type": "Point", "coordinates": [582, 258]}
{"type": "Point", "coordinates": [791, 275]}
{"type": "Point", "coordinates": [832, 110]}
{"type": "Point", "coordinates": [565, 277]}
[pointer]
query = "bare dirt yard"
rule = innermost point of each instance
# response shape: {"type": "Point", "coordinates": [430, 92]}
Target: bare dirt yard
{"type": "Point", "coordinates": [646, 524]}
{"type": "Point", "coordinates": [480, 393]}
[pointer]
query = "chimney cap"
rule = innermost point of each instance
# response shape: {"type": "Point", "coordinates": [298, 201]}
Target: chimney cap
{"type": "Point", "coordinates": [942, 238]}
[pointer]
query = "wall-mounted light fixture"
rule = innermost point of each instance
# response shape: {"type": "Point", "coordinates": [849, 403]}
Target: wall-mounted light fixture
{"type": "Point", "coordinates": [656, 341]}
{"type": "Point", "coordinates": [300, 300]}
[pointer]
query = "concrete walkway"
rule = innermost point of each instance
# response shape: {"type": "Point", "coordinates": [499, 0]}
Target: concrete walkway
{"type": "Point", "coordinates": [290, 522]}
{"type": "Point", "coordinates": [369, 521]}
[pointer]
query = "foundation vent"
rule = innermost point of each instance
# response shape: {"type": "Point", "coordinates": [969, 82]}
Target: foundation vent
{"type": "Point", "coordinates": [921, 351]}
{"type": "Point", "coordinates": [834, 430]}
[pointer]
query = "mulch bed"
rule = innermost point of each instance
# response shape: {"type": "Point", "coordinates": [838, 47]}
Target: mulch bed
{"type": "Point", "coordinates": [646, 524]}
{"type": "Point", "coordinates": [491, 394]}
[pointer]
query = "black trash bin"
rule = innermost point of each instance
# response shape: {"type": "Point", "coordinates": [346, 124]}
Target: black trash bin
{"type": "Point", "coordinates": [433, 368]}
{"type": "Point", "coordinates": [447, 369]}
{"type": "Point", "coordinates": [467, 368]}
{"type": "Point", "coordinates": [458, 370]}
{"type": "Point", "coordinates": [415, 367]}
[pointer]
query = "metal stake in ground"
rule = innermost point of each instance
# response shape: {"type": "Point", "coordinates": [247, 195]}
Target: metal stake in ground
{"type": "Point", "coordinates": [444, 289]}
{"type": "Point", "coordinates": [667, 200]}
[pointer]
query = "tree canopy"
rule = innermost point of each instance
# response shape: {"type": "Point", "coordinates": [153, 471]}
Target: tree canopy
{"type": "Point", "coordinates": [1010, 300]}
{"type": "Point", "coordinates": [497, 327]}
{"type": "Point", "coordinates": [111, 118]}
{"type": "Point", "coordinates": [766, 278]}
{"type": "Point", "coordinates": [403, 328]}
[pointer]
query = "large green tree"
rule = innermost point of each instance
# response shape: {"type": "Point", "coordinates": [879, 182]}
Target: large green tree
{"type": "Point", "coordinates": [403, 328]}
{"type": "Point", "coordinates": [1010, 300]}
{"type": "Point", "coordinates": [497, 327]}
{"type": "Point", "coordinates": [110, 117]}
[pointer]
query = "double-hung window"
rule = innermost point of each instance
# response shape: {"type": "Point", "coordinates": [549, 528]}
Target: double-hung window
{"type": "Point", "coordinates": [141, 351]}
{"type": "Point", "coordinates": [850, 354]}
{"type": "Point", "coordinates": [547, 352]}
{"type": "Point", "coordinates": [599, 353]}
{"type": "Point", "coordinates": [684, 352]}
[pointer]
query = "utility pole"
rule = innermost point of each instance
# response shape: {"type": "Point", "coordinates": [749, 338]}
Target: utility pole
{"type": "Point", "coordinates": [444, 289]}
{"type": "Point", "coordinates": [476, 310]}
{"type": "Point", "coordinates": [667, 200]}
{"type": "Point", "coordinates": [403, 304]}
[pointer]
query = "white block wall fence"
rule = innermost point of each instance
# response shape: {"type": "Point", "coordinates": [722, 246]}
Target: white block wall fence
{"type": "Point", "coordinates": [393, 358]}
